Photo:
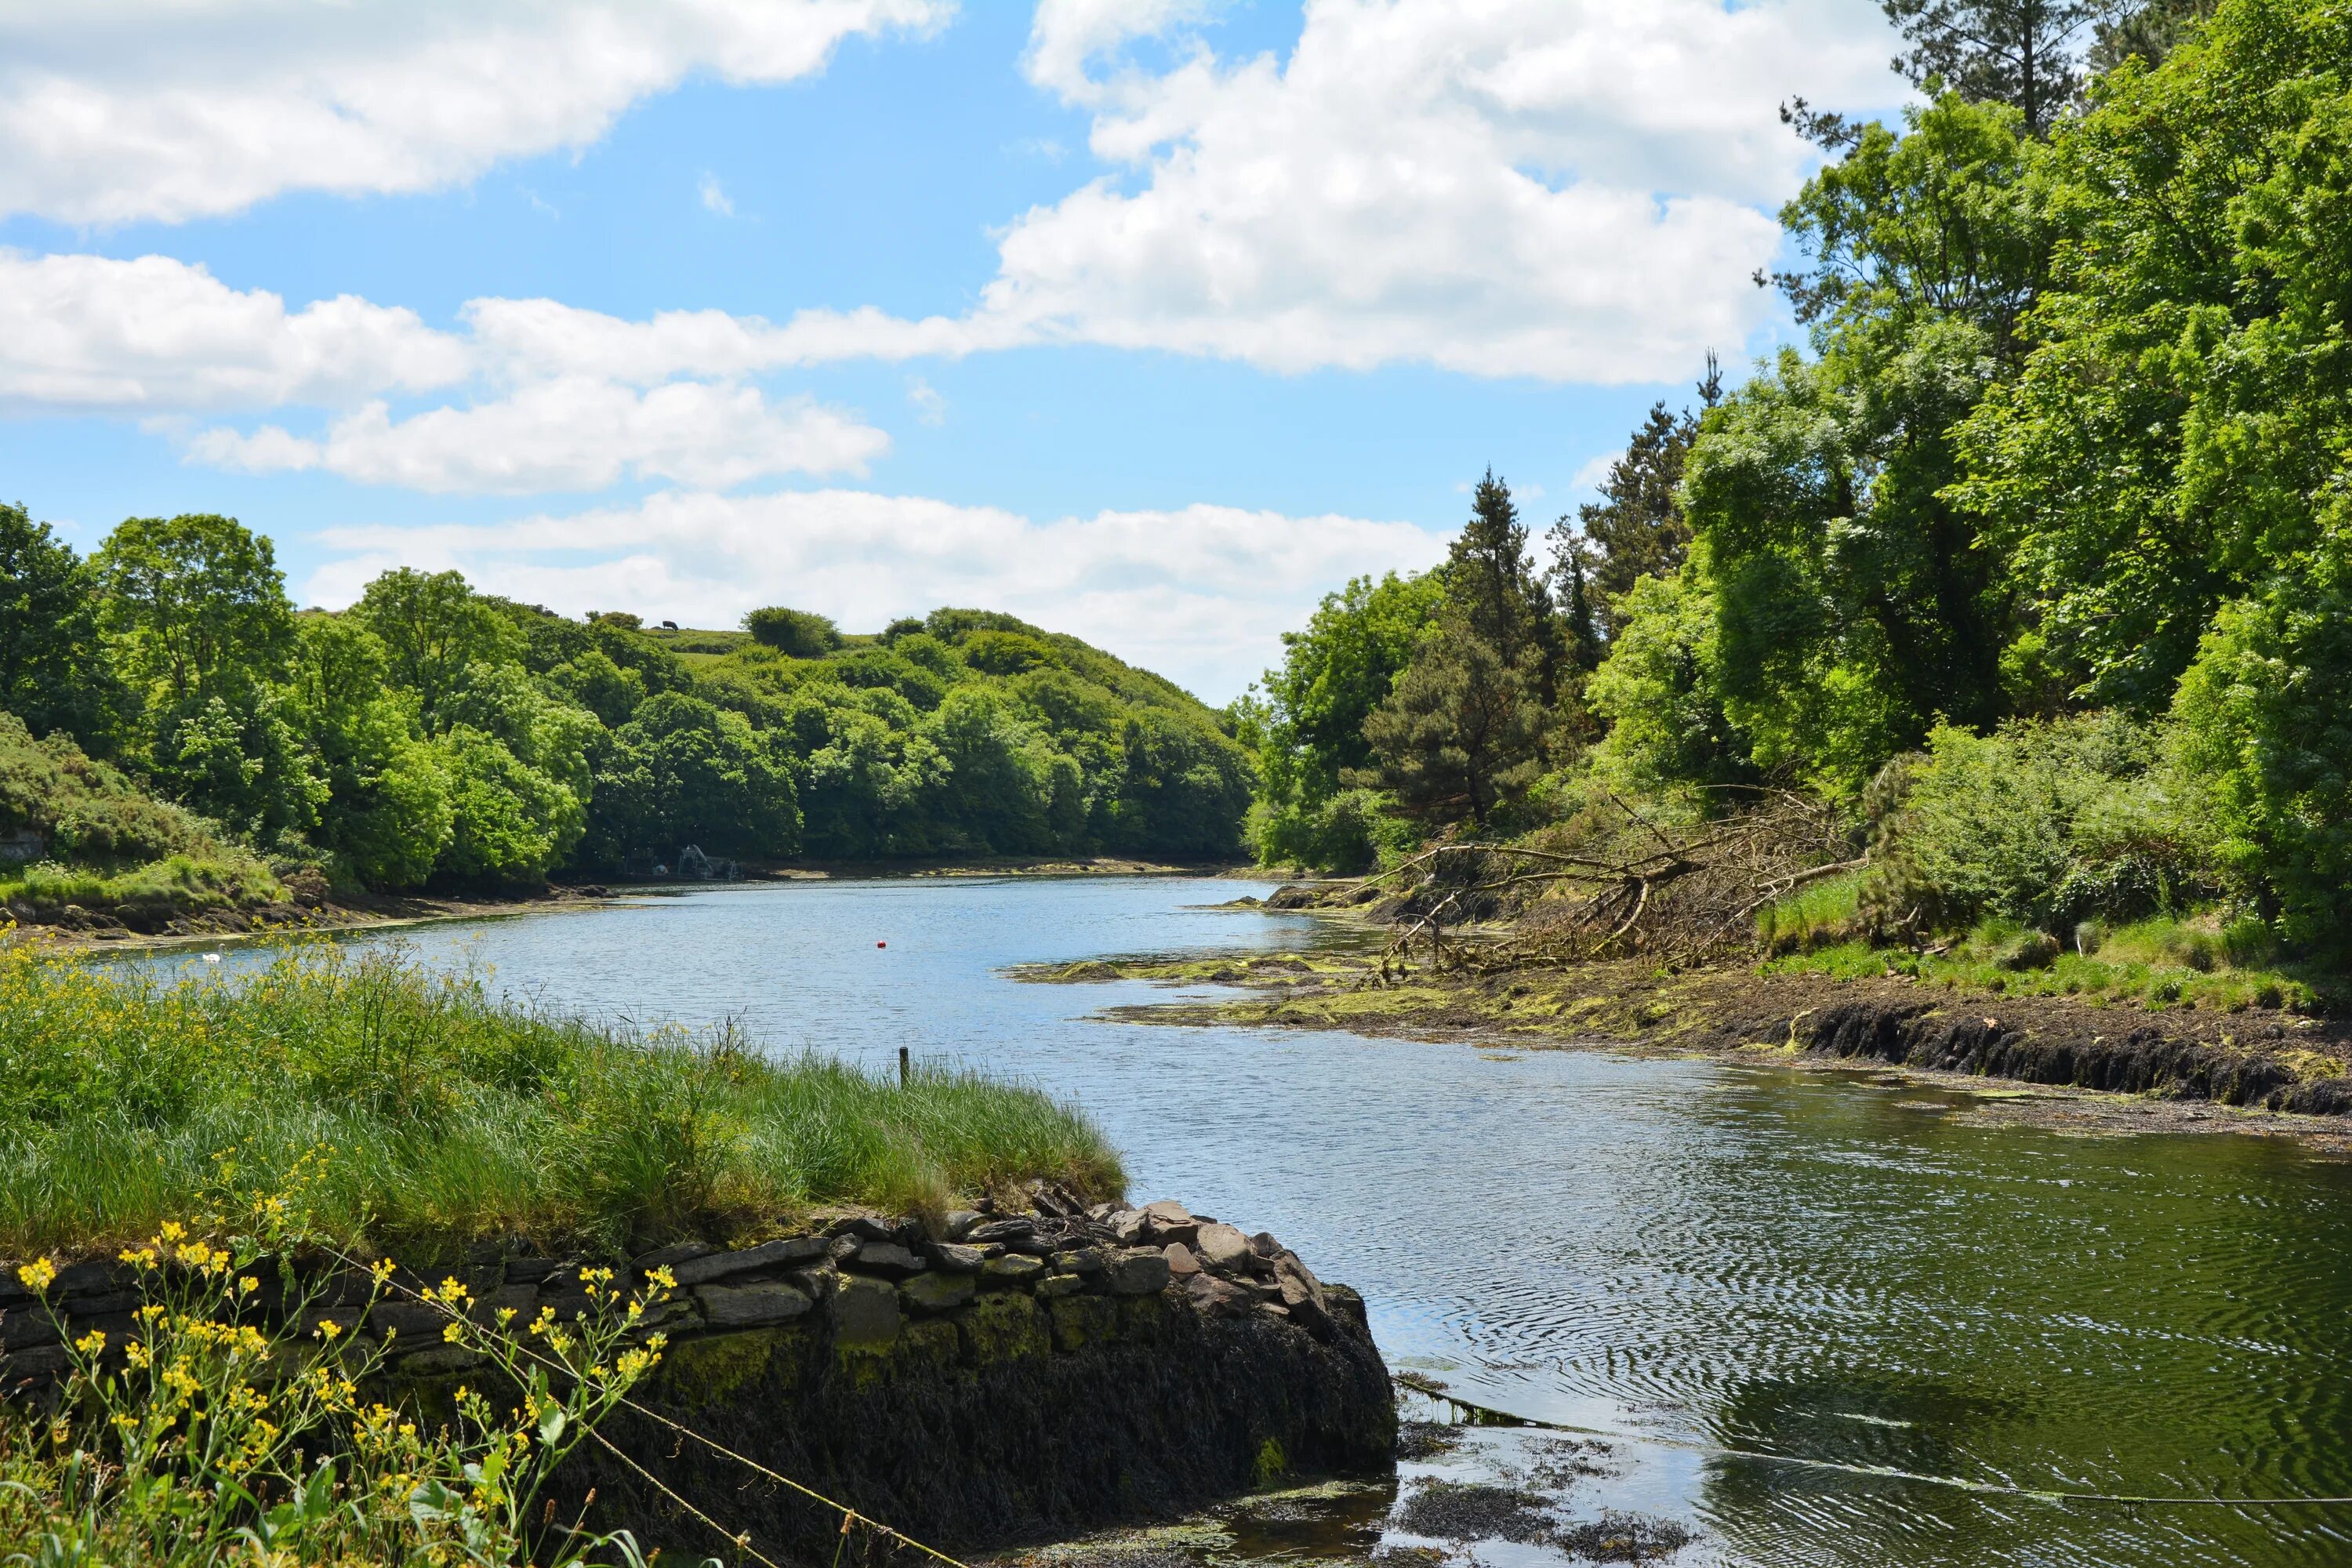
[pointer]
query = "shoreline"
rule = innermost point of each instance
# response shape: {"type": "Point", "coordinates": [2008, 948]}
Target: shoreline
{"type": "Point", "coordinates": [393, 911]}
{"type": "Point", "coordinates": [2056, 1063]}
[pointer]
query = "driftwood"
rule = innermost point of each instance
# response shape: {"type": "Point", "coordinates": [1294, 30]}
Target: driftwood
{"type": "Point", "coordinates": [1678, 893]}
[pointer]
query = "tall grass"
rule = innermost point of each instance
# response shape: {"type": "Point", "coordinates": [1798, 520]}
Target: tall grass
{"type": "Point", "coordinates": [449, 1115]}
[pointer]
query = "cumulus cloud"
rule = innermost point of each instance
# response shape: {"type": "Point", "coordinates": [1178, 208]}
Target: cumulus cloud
{"type": "Point", "coordinates": [157, 335]}
{"type": "Point", "coordinates": [112, 110]}
{"type": "Point", "coordinates": [572, 434]}
{"type": "Point", "coordinates": [1568, 189]}
{"type": "Point", "coordinates": [715, 197]}
{"type": "Point", "coordinates": [1202, 594]}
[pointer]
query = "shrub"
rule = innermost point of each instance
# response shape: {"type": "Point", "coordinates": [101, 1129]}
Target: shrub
{"type": "Point", "coordinates": [803, 633]}
{"type": "Point", "coordinates": [2043, 823]}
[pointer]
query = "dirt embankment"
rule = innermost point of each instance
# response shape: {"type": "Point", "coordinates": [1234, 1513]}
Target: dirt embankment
{"type": "Point", "coordinates": [2169, 1061]}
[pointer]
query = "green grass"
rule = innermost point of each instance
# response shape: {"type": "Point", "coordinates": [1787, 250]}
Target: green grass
{"type": "Point", "coordinates": [177, 883]}
{"type": "Point", "coordinates": [443, 1115]}
{"type": "Point", "coordinates": [2159, 963]}
{"type": "Point", "coordinates": [1824, 912]}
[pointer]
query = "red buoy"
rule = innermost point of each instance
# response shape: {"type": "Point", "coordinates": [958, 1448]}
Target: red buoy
{"type": "Point", "coordinates": [881, 944]}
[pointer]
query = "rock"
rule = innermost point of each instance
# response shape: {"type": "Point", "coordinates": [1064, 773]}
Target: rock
{"type": "Point", "coordinates": [1053, 1285]}
{"type": "Point", "coordinates": [671, 1257]}
{"type": "Point", "coordinates": [1080, 1260]}
{"type": "Point", "coordinates": [750, 1305]}
{"type": "Point", "coordinates": [1292, 897]}
{"type": "Point", "coordinates": [961, 1222]}
{"type": "Point", "coordinates": [1264, 1245]}
{"type": "Point", "coordinates": [1001, 1328]}
{"type": "Point", "coordinates": [999, 1230]}
{"type": "Point", "coordinates": [865, 1313]}
{"type": "Point", "coordinates": [1218, 1297]}
{"type": "Point", "coordinates": [842, 1248]}
{"type": "Point", "coordinates": [957, 1259]}
{"type": "Point", "coordinates": [767, 1254]}
{"type": "Point", "coordinates": [1181, 1263]}
{"type": "Point", "coordinates": [1222, 1248]}
{"type": "Point", "coordinates": [886, 1258]}
{"type": "Point", "coordinates": [1082, 1320]}
{"type": "Point", "coordinates": [519, 1270]}
{"type": "Point", "coordinates": [21, 1327]}
{"type": "Point", "coordinates": [435, 1360]}
{"type": "Point", "coordinates": [33, 1362]}
{"type": "Point", "coordinates": [1302, 1293]}
{"type": "Point", "coordinates": [1126, 1225]}
{"type": "Point", "coordinates": [935, 1292]}
{"type": "Point", "coordinates": [864, 1227]}
{"type": "Point", "coordinates": [1012, 1272]}
{"type": "Point", "coordinates": [1138, 1271]}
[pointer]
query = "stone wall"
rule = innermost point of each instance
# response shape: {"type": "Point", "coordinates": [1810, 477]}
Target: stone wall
{"type": "Point", "coordinates": [996, 1378]}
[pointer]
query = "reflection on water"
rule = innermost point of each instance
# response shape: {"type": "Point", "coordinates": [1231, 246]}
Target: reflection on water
{"type": "Point", "coordinates": [1710, 1257]}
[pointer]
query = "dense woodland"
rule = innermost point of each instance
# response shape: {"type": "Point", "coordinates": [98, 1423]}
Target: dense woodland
{"type": "Point", "coordinates": [176, 732]}
{"type": "Point", "coordinates": [2037, 561]}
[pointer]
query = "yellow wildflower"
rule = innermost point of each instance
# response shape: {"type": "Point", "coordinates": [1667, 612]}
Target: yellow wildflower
{"type": "Point", "coordinates": [38, 1275]}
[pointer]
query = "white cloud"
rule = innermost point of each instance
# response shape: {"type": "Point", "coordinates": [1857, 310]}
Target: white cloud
{"type": "Point", "coordinates": [112, 110]}
{"type": "Point", "coordinates": [929, 405]}
{"type": "Point", "coordinates": [1595, 471]}
{"type": "Point", "coordinates": [714, 196]}
{"type": "Point", "coordinates": [1568, 189]}
{"type": "Point", "coordinates": [1201, 595]}
{"type": "Point", "coordinates": [572, 434]}
{"type": "Point", "coordinates": [157, 335]}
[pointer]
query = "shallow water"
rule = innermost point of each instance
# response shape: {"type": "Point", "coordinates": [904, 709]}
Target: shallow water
{"type": "Point", "coordinates": [1692, 1255]}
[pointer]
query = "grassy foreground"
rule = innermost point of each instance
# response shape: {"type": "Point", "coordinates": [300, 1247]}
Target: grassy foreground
{"type": "Point", "coordinates": [435, 1113]}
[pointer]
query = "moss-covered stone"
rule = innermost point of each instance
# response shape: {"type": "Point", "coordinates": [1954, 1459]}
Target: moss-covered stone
{"type": "Point", "coordinates": [1082, 1320]}
{"type": "Point", "coordinates": [722, 1369]}
{"type": "Point", "coordinates": [1005, 1328]}
{"type": "Point", "coordinates": [863, 1314]}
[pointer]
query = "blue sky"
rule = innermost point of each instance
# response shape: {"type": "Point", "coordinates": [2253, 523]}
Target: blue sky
{"type": "Point", "coordinates": [1149, 320]}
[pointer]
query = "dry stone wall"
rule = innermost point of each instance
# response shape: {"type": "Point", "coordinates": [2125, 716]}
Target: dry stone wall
{"type": "Point", "coordinates": [995, 1378]}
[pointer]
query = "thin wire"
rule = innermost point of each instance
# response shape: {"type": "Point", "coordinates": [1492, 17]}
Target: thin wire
{"type": "Point", "coordinates": [1887, 1472]}
{"type": "Point", "coordinates": [848, 1515]}
{"type": "Point", "coordinates": [740, 1543]}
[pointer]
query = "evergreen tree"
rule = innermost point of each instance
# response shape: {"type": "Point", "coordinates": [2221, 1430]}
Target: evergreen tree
{"type": "Point", "coordinates": [2022, 52]}
{"type": "Point", "coordinates": [2150, 30]}
{"type": "Point", "coordinates": [1639, 531]}
{"type": "Point", "coordinates": [1461, 731]}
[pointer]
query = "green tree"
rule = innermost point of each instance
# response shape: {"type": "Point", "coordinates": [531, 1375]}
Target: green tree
{"type": "Point", "coordinates": [1460, 732]}
{"type": "Point", "coordinates": [683, 772]}
{"type": "Point", "coordinates": [2150, 30]}
{"type": "Point", "coordinates": [434, 628]}
{"type": "Point", "coordinates": [52, 675]}
{"type": "Point", "coordinates": [193, 607]}
{"type": "Point", "coordinates": [803, 633]}
{"type": "Point", "coordinates": [509, 822]}
{"type": "Point", "coordinates": [1638, 529]}
{"type": "Point", "coordinates": [2025, 53]}
{"type": "Point", "coordinates": [387, 814]}
{"type": "Point", "coordinates": [1660, 694]}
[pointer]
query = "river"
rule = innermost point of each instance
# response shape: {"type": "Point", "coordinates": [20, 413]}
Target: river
{"type": "Point", "coordinates": [1695, 1256]}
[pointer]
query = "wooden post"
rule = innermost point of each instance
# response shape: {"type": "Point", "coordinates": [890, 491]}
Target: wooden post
{"type": "Point", "coordinates": [904, 1071]}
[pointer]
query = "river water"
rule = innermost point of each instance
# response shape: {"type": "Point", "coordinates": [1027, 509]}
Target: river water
{"type": "Point", "coordinates": [1695, 1256]}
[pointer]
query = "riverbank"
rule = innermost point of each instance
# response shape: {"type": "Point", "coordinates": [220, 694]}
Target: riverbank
{"type": "Point", "coordinates": [310, 908]}
{"type": "Point", "coordinates": [2068, 1063]}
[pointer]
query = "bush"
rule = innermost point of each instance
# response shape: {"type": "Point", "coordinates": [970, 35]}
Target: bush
{"type": "Point", "coordinates": [1349, 833]}
{"type": "Point", "coordinates": [2047, 824]}
{"type": "Point", "coordinates": [803, 633]}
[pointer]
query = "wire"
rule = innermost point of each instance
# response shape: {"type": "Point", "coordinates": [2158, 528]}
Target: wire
{"type": "Point", "coordinates": [1431, 1390]}
{"type": "Point", "coordinates": [849, 1516]}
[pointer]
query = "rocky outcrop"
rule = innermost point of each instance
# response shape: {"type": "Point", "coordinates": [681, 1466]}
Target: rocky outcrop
{"type": "Point", "coordinates": [2137, 1057]}
{"type": "Point", "coordinates": [994, 1378]}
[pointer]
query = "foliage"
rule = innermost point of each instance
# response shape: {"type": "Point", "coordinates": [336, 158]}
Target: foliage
{"type": "Point", "coordinates": [1639, 529]}
{"type": "Point", "coordinates": [1464, 729]}
{"type": "Point", "coordinates": [434, 630]}
{"type": "Point", "coordinates": [2023, 53]}
{"type": "Point", "coordinates": [684, 771]}
{"type": "Point", "coordinates": [802, 634]}
{"type": "Point", "coordinates": [2048, 824]}
{"type": "Point", "coordinates": [454, 1115]}
{"type": "Point", "coordinates": [216, 1429]}
{"type": "Point", "coordinates": [1308, 731]}
{"type": "Point", "coordinates": [52, 675]}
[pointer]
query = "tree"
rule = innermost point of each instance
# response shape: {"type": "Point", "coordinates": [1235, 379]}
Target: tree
{"type": "Point", "coordinates": [1639, 531]}
{"type": "Point", "coordinates": [2018, 52]}
{"type": "Point", "coordinates": [432, 627]}
{"type": "Point", "coordinates": [1498, 599]}
{"type": "Point", "coordinates": [2150, 30]}
{"type": "Point", "coordinates": [803, 633]}
{"type": "Point", "coordinates": [682, 772]}
{"type": "Point", "coordinates": [52, 675]}
{"type": "Point", "coordinates": [1460, 732]}
{"type": "Point", "coordinates": [193, 607]}
{"type": "Point", "coordinates": [387, 811]}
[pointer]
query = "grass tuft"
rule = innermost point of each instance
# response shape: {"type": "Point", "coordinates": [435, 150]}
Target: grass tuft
{"type": "Point", "coordinates": [448, 1115]}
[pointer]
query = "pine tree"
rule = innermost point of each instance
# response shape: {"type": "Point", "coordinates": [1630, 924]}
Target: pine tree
{"type": "Point", "coordinates": [1639, 531]}
{"type": "Point", "coordinates": [2151, 30]}
{"type": "Point", "coordinates": [2025, 52]}
{"type": "Point", "coordinates": [1460, 733]}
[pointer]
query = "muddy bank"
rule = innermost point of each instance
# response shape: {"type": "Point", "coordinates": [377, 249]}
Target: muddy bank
{"type": "Point", "coordinates": [2295, 1068]}
{"type": "Point", "coordinates": [75, 927]}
